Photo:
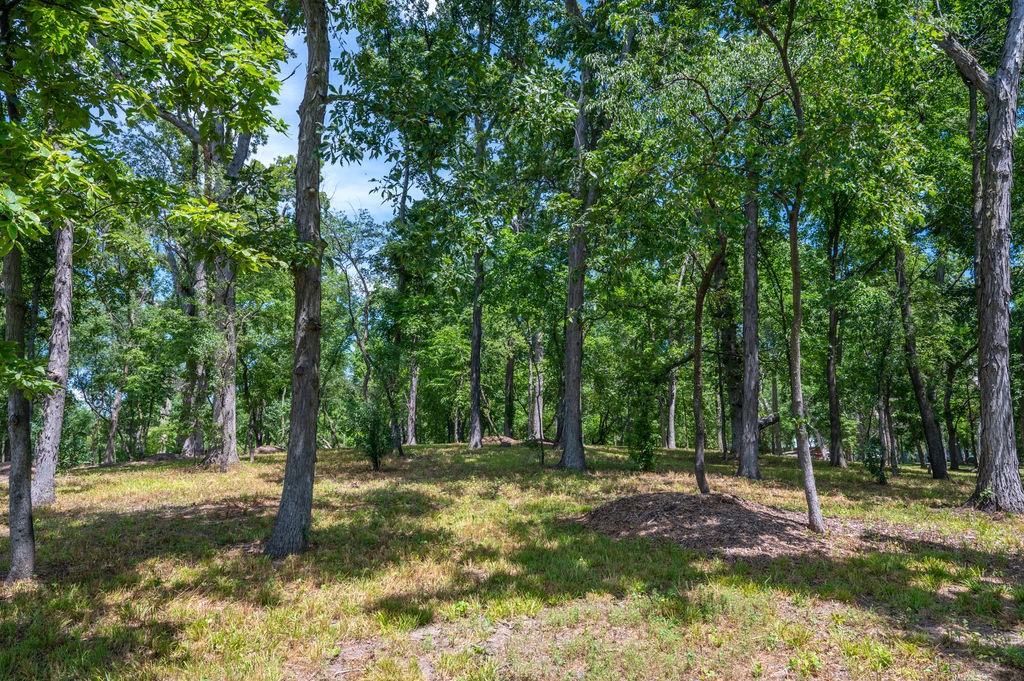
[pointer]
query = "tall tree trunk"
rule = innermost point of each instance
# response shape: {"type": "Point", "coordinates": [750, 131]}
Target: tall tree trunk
{"type": "Point", "coordinates": [291, 528]}
{"type": "Point", "coordinates": [929, 423]}
{"type": "Point", "coordinates": [749, 432]}
{"type": "Point", "coordinates": [573, 457]}
{"type": "Point", "coordinates": [476, 435]}
{"type": "Point", "coordinates": [815, 519]}
{"type": "Point", "coordinates": [43, 484]}
{"type": "Point", "coordinates": [510, 386]}
{"type": "Point", "coordinates": [947, 398]}
{"type": "Point", "coordinates": [835, 423]}
{"type": "Point", "coordinates": [777, 426]}
{"type": "Point", "coordinates": [999, 483]}
{"type": "Point", "coordinates": [194, 398]}
{"type": "Point", "coordinates": [410, 405]}
{"type": "Point", "coordinates": [19, 431]}
{"type": "Point", "coordinates": [226, 396]}
{"type": "Point", "coordinates": [698, 372]}
{"type": "Point", "coordinates": [670, 410]}
{"type": "Point", "coordinates": [537, 388]}
{"type": "Point", "coordinates": [110, 453]}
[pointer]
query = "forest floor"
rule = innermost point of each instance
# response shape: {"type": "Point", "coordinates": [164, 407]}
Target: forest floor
{"type": "Point", "coordinates": [458, 565]}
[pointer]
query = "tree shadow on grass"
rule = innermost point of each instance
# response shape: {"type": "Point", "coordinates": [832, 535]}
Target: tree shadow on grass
{"type": "Point", "coordinates": [558, 561]}
{"type": "Point", "coordinates": [104, 594]}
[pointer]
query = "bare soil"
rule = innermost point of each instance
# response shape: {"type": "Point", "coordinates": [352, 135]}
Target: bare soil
{"type": "Point", "coordinates": [720, 524]}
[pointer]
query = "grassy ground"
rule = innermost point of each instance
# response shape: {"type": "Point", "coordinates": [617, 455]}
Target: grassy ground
{"type": "Point", "coordinates": [456, 565]}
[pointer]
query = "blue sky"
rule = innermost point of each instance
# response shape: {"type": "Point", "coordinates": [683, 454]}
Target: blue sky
{"type": "Point", "coordinates": [350, 186]}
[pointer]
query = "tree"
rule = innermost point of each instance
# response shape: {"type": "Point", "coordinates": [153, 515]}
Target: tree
{"type": "Point", "coordinates": [998, 485]}
{"type": "Point", "coordinates": [294, 514]}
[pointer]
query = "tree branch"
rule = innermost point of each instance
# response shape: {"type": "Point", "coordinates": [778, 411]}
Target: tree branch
{"type": "Point", "coordinates": [966, 63]}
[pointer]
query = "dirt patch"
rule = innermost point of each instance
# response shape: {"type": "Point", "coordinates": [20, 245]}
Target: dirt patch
{"type": "Point", "coordinates": [501, 440]}
{"type": "Point", "coordinates": [712, 523]}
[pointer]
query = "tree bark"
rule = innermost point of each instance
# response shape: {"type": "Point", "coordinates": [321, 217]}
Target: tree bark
{"type": "Point", "coordinates": [814, 517]}
{"type": "Point", "coordinates": [537, 388]}
{"type": "Point", "coordinates": [777, 426]}
{"type": "Point", "coordinates": [835, 423]}
{"type": "Point", "coordinates": [226, 396]}
{"type": "Point", "coordinates": [947, 398]}
{"type": "Point", "coordinates": [194, 396]}
{"type": "Point", "coordinates": [410, 405]}
{"type": "Point", "coordinates": [510, 386]}
{"type": "Point", "coordinates": [43, 484]}
{"type": "Point", "coordinates": [110, 453]}
{"type": "Point", "coordinates": [670, 410]}
{"type": "Point", "coordinates": [929, 423]}
{"type": "Point", "coordinates": [999, 484]}
{"type": "Point", "coordinates": [19, 432]}
{"type": "Point", "coordinates": [476, 435]}
{"type": "Point", "coordinates": [749, 431]}
{"type": "Point", "coordinates": [700, 434]}
{"type": "Point", "coordinates": [573, 457]}
{"type": "Point", "coordinates": [294, 515]}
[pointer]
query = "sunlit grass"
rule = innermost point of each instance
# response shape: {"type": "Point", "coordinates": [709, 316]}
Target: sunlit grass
{"type": "Point", "coordinates": [155, 571]}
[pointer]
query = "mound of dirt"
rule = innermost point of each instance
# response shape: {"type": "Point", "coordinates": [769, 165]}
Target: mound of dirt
{"type": "Point", "coordinates": [500, 440]}
{"type": "Point", "coordinates": [713, 523]}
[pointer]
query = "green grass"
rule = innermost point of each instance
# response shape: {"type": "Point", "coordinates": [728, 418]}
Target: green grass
{"type": "Point", "coordinates": [459, 565]}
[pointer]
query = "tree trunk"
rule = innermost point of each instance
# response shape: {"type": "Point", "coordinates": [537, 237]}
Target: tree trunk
{"type": "Point", "coordinates": [670, 410]}
{"type": "Point", "coordinates": [835, 423]}
{"type": "Point", "coordinates": [573, 457]}
{"type": "Point", "coordinates": [410, 405]}
{"type": "Point", "coordinates": [476, 435]}
{"type": "Point", "coordinates": [19, 431]}
{"type": "Point", "coordinates": [110, 453]}
{"type": "Point", "coordinates": [194, 397]}
{"type": "Point", "coordinates": [537, 388]}
{"type": "Point", "coordinates": [43, 484]}
{"type": "Point", "coordinates": [510, 386]}
{"type": "Point", "coordinates": [777, 426]}
{"type": "Point", "coordinates": [999, 483]}
{"type": "Point", "coordinates": [698, 373]}
{"type": "Point", "coordinates": [294, 515]}
{"type": "Point", "coordinates": [815, 519]}
{"type": "Point", "coordinates": [226, 397]}
{"type": "Point", "coordinates": [930, 424]}
{"type": "Point", "coordinates": [954, 446]}
{"type": "Point", "coordinates": [749, 432]}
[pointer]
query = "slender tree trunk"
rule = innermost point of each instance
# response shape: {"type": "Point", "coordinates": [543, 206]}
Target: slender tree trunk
{"type": "Point", "coordinates": [476, 435]}
{"type": "Point", "coordinates": [698, 423]}
{"type": "Point", "coordinates": [777, 426]}
{"type": "Point", "coordinates": [954, 447]}
{"type": "Point", "coordinates": [226, 397]}
{"type": "Point", "coordinates": [110, 453]}
{"type": "Point", "coordinates": [835, 422]}
{"type": "Point", "coordinates": [194, 400]}
{"type": "Point", "coordinates": [410, 405]}
{"type": "Point", "coordinates": [291, 528]}
{"type": "Point", "coordinates": [510, 386]}
{"type": "Point", "coordinates": [815, 519]}
{"type": "Point", "coordinates": [43, 484]}
{"type": "Point", "coordinates": [749, 432]}
{"type": "Point", "coordinates": [698, 371]}
{"type": "Point", "coordinates": [670, 410]}
{"type": "Point", "coordinates": [573, 457]}
{"type": "Point", "coordinates": [999, 483]}
{"type": "Point", "coordinates": [930, 424]}
{"type": "Point", "coordinates": [537, 390]}
{"type": "Point", "coordinates": [19, 432]}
